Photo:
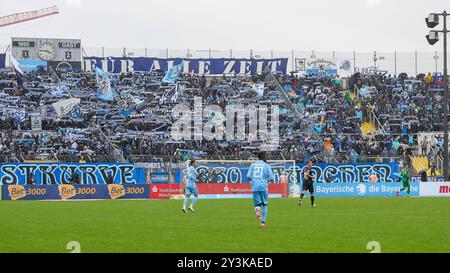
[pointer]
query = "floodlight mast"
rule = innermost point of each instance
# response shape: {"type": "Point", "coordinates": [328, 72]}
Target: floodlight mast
{"type": "Point", "coordinates": [432, 21]}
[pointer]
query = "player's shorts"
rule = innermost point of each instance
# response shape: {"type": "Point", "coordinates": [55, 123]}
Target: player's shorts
{"type": "Point", "coordinates": [260, 198]}
{"type": "Point", "coordinates": [308, 186]}
{"type": "Point", "coordinates": [191, 190]}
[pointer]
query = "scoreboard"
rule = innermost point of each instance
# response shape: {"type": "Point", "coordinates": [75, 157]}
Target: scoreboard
{"type": "Point", "coordinates": [59, 54]}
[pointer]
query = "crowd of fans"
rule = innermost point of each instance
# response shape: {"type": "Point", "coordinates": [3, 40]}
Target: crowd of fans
{"type": "Point", "coordinates": [318, 117]}
{"type": "Point", "coordinates": [398, 107]}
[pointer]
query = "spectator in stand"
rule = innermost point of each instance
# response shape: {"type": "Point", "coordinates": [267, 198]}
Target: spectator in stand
{"type": "Point", "coordinates": [433, 170]}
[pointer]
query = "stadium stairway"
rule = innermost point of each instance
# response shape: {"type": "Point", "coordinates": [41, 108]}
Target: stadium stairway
{"type": "Point", "coordinates": [367, 128]}
{"type": "Point", "coordinates": [420, 162]}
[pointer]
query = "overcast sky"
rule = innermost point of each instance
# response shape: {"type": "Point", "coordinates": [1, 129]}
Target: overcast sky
{"type": "Point", "coordinates": [323, 25]}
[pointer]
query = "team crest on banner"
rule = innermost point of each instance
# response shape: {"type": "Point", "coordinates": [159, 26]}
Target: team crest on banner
{"type": "Point", "coordinates": [104, 90]}
{"type": "Point", "coordinates": [36, 121]}
{"type": "Point", "coordinates": [346, 65]}
{"type": "Point", "coordinates": [300, 64]}
{"type": "Point", "coordinates": [75, 114]}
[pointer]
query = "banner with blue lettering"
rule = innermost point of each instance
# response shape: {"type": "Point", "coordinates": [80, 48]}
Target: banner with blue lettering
{"type": "Point", "coordinates": [70, 173]}
{"type": "Point", "coordinates": [159, 178]}
{"type": "Point", "coordinates": [198, 66]}
{"type": "Point", "coordinates": [33, 65]}
{"type": "Point", "coordinates": [324, 173]}
{"type": "Point", "coordinates": [363, 189]}
{"type": "Point", "coordinates": [2, 60]}
{"type": "Point", "coordinates": [332, 180]}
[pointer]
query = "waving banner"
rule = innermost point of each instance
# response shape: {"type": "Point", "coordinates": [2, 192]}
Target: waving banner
{"type": "Point", "coordinates": [104, 90]}
{"type": "Point", "coordinates": [198, 66]}
{"type": "Point", "coordinates": [173, 74]}
{"type": "Point", "coordinates": [127, 103]}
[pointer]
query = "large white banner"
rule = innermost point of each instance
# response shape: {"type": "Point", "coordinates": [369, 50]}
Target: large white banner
{"type": "Point", "coordinates": [434, 189]}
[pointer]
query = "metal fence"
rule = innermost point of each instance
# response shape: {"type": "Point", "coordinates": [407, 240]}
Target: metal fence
{"type": "Point", "coordinates": [394, 62]}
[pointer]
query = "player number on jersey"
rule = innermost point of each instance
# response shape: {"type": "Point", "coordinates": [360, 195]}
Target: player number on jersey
{"type": "Point", "coordinates": [258, 172]}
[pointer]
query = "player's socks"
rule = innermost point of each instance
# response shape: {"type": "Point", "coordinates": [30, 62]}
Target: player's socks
{"type": "Point", "coordinates": [312, 200]}
{"type": "Point", "coordinates": [191, 207]}
{"type": "Point", "coordinates": [186, 199]}
{"type": "Point", "coordinates": [194, 200]}
{"type": "Point", "coordinates": [258, 213]}
{"type": "Point", "coordinates": [300, 200]}
{"type": "Point", "coordinates": [264, 214]}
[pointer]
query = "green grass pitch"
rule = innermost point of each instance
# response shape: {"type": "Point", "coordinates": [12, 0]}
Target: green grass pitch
{"type": "Point", "coordinates": [336, 225]}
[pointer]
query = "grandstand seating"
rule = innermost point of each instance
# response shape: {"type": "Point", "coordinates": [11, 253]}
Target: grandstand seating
{"type": "Point", "coordinates": [312, 110]}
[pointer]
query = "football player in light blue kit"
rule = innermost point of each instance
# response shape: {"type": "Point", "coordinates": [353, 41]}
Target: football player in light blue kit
{"type": "Point", "coordinates": [191, 187]}
{"type": "Point", "coordinates": [260, 174]}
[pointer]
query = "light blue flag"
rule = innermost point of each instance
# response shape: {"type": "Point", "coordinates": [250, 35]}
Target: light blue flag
{"type": "Point", "coordinates": [287, 88]}
{"type": "Point", "coordinates": [104, 90]}
{"type": "Point", "coordinates": [319, 128]}
{"type": "Point", "coordinates": [363, 91]}
{"type": "Point", "coordinates": [359, 115]}
{"type": "Point", "coordinates": [173, 74]}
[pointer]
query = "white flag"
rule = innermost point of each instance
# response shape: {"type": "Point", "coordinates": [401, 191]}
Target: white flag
{"type": "Point", "coordinates": [63, 107]}
{"type": "Point", "coordinates": [16, 65]}
{"type": "Point", "coordinates": [259, 89]}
